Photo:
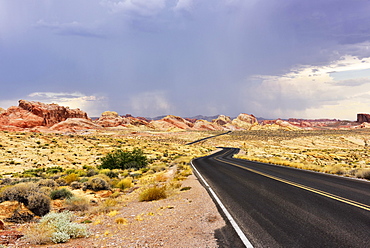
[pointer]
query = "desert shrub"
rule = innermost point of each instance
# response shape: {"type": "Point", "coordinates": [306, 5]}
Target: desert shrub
{"type": "Point", "coordinates": [61, 182]}
{"type": "Point", "coordinates": [39, 204]}
{"type": "Point", "coordinates": [112, 174]}
{"type": "Point", "coordinates": [158, 167]}
{"type": "Point", "coordinates": [54, 170]}
{"type": "Point", "coordinates": [59, 237]}
{"type": "Point", "coordinates": [161, 177]}
{"type": "Point", "coordinates": [47, 183]}
{"type": "Point", "coordinates": [62, 193]}
{"type": "Point", "coordinates": [153, 193]}
{"type": "Point", "coordinates": [115, 194]}
{"type": "Point", "coordinates": [96, 184]}
{"type": "Point", "coordinates": [363, 173]}
{"type": "Point", "coordinates": [91, 172]}
{"type": "Point", "coordinates": [125, 183]}
{"type": "Point", "coordinates": [120, 159]}
{"type": "Point", "coordinates": [108, 205]}
{"type": "Point", "coordinates": [334, 169]}
{"type": "Point", "coordinates": [30, 195]}
{"type": "Point", "coordinates": [71, 178]}
{"type": "Point", "coordinates": [76, 185]}
{"type": "Point", "coordinates": [185, 188]}
{"type": "Point", "coordinates": [58, 228]}
{"type": "Point", "coordinates": [75, 203]}
{"type": "Point", "coordinates": [121, 221]}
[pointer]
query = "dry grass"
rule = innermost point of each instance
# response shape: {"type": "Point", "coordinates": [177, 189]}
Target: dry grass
{"type": "Point", "coordinates": [125, 183]}
{"type": "Point", "coordinates": [37, 234]}
{"type": "Point", "coordinates": [153, 193]}
{"type": "Point", "coordinates": [363, 173]}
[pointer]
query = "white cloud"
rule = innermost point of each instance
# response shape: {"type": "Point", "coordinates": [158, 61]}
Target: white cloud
{"type": "Point", "coordinates": [151, 104]}
{"type": "Point", "coordinates": [313, 92]}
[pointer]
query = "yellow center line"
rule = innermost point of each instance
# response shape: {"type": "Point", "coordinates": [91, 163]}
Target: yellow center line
{"type": "Point", "coordinates": [317, 191]}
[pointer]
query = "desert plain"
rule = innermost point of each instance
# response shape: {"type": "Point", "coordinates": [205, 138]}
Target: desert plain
{"type": "Point", "coordinates": [63, 155]}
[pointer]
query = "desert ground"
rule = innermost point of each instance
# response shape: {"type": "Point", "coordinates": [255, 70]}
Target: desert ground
{"type": "Point", "coordinates": [184, 216]}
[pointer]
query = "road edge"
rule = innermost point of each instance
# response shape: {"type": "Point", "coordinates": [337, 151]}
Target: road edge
{"type": "Point", "coordinates": [236, 227]}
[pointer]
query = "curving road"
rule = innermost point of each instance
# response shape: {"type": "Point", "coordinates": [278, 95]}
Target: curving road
{"type": "Point", "coordinates": [279, 206]}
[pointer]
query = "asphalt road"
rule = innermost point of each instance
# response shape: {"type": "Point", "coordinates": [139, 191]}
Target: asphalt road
{"type": "Point", "coordinates": [279, 206]}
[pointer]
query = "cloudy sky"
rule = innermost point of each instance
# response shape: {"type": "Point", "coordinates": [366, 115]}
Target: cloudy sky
{"type": "Point", "coordinates": [270, 58]}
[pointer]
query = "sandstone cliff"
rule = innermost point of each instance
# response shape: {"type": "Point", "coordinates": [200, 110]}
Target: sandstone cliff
{"type": "Point", "coordinates": [363, 118]}
{"type": "Point", "coordinates": [34, 114]}
{"type": "Point", "coordinates": [51, 113]}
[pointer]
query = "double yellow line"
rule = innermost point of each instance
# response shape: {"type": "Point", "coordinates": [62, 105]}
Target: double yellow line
{"type": "Point", "coordinates": [317, 191]}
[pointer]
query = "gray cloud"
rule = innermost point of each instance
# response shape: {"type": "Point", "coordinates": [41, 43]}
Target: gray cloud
{"type": "Point", "coordinates": [203, 54]}
{"type": "Point", "coordinates": [72, 28]}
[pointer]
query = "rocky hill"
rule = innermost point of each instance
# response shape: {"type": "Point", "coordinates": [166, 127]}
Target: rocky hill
{"type": "Point", "coordinates": [30, 114]}
{"type": "Point", "coordinates": [36, 116]}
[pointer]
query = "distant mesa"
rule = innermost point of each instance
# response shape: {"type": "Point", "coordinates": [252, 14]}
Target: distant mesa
{"type": "Point", "coordinates": [41, 117]}
{"type": "Point", "coordinates": [363, 118]}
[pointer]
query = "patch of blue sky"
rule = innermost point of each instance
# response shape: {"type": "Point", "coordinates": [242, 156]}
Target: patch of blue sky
{"type": "Point", "coordinates": [353, 74]}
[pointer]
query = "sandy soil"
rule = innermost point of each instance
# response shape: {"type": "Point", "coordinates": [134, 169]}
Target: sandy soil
{"type": "Point", "coordinates": [187, 219]}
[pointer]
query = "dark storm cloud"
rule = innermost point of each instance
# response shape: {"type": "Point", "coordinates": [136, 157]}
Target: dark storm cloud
{"type": "Point", "coordinates": [189, 57]}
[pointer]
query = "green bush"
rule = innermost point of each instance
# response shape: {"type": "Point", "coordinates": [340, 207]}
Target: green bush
{"type": "Point", "coordinates": [120, 159]}
{"type": "Point", "coordinates": [62, 193]}
{"type": "Point", "coordinates": [31, 195]}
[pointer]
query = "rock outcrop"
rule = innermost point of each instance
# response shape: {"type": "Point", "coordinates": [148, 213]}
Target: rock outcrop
{"type": "Point", "coordinates": [363, 118]}
{"type": "Point", "coordinates": [245, 121]}
{"type": "Point", "coordinates": [51, 113]}
{"type": "Point", "coordinates": [206, 125]}
{"type": "Point", "coordinates": [171, 122]}
{"type": "Point", "coordinates": [19, 117]}
{"type": "Point", "coordinates": [109, 119]}
{"type": "Point", "coordinates": [75, 124]}
{"type": "Point", "coordinates": [35, 114]}
{"type": "Point", "coordinates": [222, 120]}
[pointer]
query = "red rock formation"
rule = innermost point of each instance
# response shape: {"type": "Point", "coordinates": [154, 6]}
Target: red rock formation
{"type": "Point", "coordinates": [178, 122]}
{"type": "Point", "coordinates": [51, 113]}
{"type": "Point", "coordinates": [35, 114]}
{"type": "Point", "coordinates": [18, 117]}
{"type": "Point", "coordinates": [222, 120]}
{"type": "Point", "coordinates": [245, 121]}
{"type": "Point", "coordinates": [171, 122]}
{"type": "Point", "coordinates": [192, 120]}
{"type": "Point", "coordinates": [201, 125]}
{"type": "Point", "coordinates": [135, 121]}
{"type": "Point", "coordinates": [109, 119]}
{"type": "Point", "coordinates": [74, 124]}
{"type": "Point", "coordinates": [363, 118]}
